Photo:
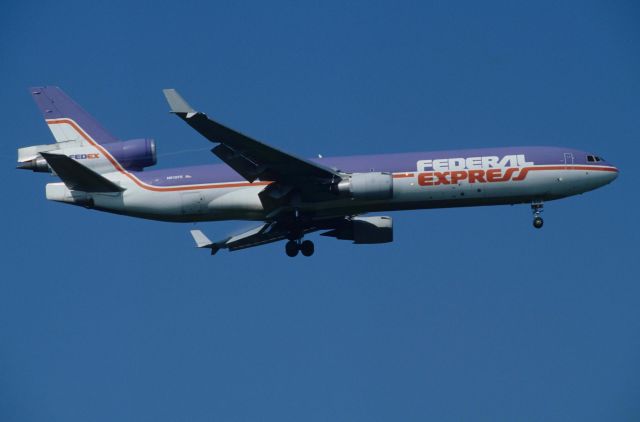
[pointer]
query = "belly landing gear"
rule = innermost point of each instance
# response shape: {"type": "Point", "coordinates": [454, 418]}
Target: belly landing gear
{"type": "Point", "coordinates": [538, 222]}
{"type": "Point", "coordinates": [295, 243]}
{"type": "Point", "coordinates": [307, 248]}
{"type": "Point", "coordinates": [292, 247]}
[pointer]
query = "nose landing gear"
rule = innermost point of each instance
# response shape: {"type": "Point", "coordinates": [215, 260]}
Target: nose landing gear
{"type": "Point", "coordinates": [536, 208]}
{"type": "Point", "coordinates": [538, 222]}
{"type": "Point", "coordinates": [292, 247]}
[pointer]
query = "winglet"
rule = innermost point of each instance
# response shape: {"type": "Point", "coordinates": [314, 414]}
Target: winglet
{"type": "Point", "coordinates": [176, 102]}
{"type": "Point", "coordinates": [202, 241]}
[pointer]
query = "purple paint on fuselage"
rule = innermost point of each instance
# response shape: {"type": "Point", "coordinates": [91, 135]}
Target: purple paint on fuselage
{"type": "Point", "coordinates": [394, 163]}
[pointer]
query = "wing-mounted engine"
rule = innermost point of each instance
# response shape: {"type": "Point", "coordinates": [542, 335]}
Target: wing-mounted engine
{"type": "Point", "coordinates": [375, 229]}
{"type": "Point", "coordinates": [371, 186]}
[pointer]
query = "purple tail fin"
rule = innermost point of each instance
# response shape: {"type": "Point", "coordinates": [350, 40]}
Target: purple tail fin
{"type": "Point", "coordinates": [66, 119]}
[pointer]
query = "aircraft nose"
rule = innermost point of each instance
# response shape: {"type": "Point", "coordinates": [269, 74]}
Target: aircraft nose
{"type": "Point", "coordinates": [614, 174]}
{"type": "Point", "coordinates": [610, 174]}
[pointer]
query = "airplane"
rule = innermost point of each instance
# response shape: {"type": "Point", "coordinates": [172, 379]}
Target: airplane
{"type": "Point", "coordinates": [291, 196]}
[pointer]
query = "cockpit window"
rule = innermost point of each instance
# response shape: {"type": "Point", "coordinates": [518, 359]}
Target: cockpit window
{"type": "Point", "coordinates": [599, 159]}
{"type": "Point", "coordinates": [591, 158]}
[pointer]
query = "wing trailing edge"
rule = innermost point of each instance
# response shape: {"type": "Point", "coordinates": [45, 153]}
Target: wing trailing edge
{"type": "Point", "coordinates": [260, 235]}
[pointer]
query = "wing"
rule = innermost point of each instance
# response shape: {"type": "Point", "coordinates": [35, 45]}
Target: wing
{"type": "Point", "coordinates": [250, 158]}
{"type": "Point", "coordinates": [261, 235]}
{"type": "Point", "coordinates": [359, 229]}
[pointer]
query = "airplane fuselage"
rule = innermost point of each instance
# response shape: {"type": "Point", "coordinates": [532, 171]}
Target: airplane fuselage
{"type": "Point", "coordinates": [291, 196]}
{"type": "Point", "coordinates": [420, 181]}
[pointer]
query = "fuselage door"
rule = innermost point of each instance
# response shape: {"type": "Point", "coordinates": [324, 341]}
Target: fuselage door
{"type": "Point", "coordinates": [568, 158]}
{"type": "Point", "coordinates": [192, 202]}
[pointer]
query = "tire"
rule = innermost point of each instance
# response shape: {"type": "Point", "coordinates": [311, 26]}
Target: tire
{"type": "Point", "coordinates": [307, 248]}
{"type": "Point", "coordinates": [538, 222]}
{"type": "Point", "coordinates": [291, 248]}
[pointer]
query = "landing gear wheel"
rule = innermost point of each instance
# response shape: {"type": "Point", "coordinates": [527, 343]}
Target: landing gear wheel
{"type": "Point", "coordinates": [538, 222]}
{"type": "Point", "coordinates": [537, 208]}
{"type": "Point", "coordinates": [307, 248]}
{"type": "Point", "coordinates": [291, 248]}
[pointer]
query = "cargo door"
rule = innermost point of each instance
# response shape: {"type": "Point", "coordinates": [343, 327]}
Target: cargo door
{"type": "Point", "coordinates": [568, 158]}
{"type": "Point", "coordinates": [192, 202]}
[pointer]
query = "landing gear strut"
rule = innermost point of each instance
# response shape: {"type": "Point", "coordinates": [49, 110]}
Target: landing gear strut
{"type": "Point", "coordinates": [292, 247]}
{"type": "Point", "coordinates": [536, 208]}
{"type": "Point", "coordinates": [295, 243]}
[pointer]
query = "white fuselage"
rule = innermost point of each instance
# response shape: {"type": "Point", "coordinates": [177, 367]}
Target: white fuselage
{"type": "Point", "coordinates": [411, 190]}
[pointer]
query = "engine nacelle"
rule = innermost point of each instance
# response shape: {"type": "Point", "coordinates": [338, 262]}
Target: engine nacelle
{"type": "Point", "coordinates": [374, 185]}
{"type": "Point", "coordinates": [134, 154]}
{"type": "Point", "coordinates": [363, 230]}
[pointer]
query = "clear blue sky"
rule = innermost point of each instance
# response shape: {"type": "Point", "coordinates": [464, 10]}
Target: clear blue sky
{"type": "Point", "coordinates": [470, 315]}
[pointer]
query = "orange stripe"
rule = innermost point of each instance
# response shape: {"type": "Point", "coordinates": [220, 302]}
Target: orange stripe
{"type": "Point", "coordinates": [143, 185]}
{"type": "Point", "coordinates": [138, 181]}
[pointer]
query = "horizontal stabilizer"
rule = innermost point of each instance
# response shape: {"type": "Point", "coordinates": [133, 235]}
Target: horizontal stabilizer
{"type": "Point", "coordinates": [78, 177]}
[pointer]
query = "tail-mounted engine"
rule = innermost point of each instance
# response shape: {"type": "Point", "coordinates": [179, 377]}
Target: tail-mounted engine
{"type": "Point", "coordinates": [133, 155]}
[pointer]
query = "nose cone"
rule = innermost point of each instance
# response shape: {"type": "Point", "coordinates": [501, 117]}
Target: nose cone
{"type": "Point", "coordinates": [608, 172]}
{"type": "Point", "coordinates": [613, 174]}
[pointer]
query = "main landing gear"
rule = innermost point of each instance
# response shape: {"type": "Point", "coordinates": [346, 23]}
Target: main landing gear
{"type": "Point", "coordinates": [292, 247]}
{"type": "Point", "coordinates": [536, 208]}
